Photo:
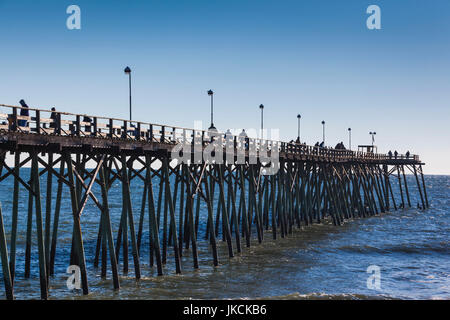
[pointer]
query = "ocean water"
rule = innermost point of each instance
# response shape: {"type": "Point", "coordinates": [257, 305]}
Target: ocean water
{"type": "Point", "coordinates": [409, 246]}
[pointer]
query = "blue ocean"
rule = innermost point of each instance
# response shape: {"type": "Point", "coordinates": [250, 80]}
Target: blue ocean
{"type": "Point", "coordinates": [409, 248]}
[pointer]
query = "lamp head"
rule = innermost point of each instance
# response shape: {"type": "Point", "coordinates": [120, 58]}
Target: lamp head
{"type": "Point", "coordinates": [299, 116]}
{"type": "Point", "coordinates": [210, 92]}
{"type": "Point", "coordinates": [261, 106]}
{"type": "Point", "coordinates": [127, 70]}
{"type": "Point", "coordinates": [323, 122]}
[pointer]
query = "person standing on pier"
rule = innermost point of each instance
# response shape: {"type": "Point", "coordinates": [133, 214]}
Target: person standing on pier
{"type": "Point", "coordinates": [87, 127]}
{"type": "Point", "coordinates": [244, 138]}
{"type": "Point", "coordinates": [53, 117]}
{"type": "Point", "coordinates": [24, 112]}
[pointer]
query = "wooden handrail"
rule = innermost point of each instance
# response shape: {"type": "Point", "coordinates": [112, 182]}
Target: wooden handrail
{"type": "Point", "coordinates": [126, 129]}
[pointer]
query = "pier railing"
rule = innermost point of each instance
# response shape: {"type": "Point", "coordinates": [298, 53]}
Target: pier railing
{"type": "Point", "coordinates": [48, 122]}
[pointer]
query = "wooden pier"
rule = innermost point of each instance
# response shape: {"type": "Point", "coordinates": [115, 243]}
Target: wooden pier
{"type": "Point", "coordinates": [244, 206]}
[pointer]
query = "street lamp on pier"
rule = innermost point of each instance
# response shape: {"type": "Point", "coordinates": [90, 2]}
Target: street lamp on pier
{"type": "Point", "coordinates": [373, 136]}
{"type": "Point", "coordinates": [128, 72]}
{"type": "Point", "coordinates": [323, 132]}
{"type": "Point", "coordinates": [350, 138]}
{"type": "Point", "coordinates": [211, 94]}
{"type": "Point", "coordinates": [261, 106]}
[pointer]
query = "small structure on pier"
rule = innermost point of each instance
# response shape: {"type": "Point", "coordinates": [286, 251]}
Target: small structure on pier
{"type": "Point", "coordinates": [368, 148]}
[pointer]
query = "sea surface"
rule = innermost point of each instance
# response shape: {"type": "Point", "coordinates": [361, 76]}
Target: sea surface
{"type": "Point", "coordinates": [410, 248]}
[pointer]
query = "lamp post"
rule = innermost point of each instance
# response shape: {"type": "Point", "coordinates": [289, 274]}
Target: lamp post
{"type": "Point", "coordinates": [323, 132]}
{"type": "Point", "coordinates": [350, 138]}
{"type": "Point", "coordinates": [128, 71]}
{"type": "Point", "coordinates": [211, 94]}
{"type": "Point", "coordinates": [298, 127]}
{"type": "Point", "coordinates": [373, 136]}
{"type": "Point", "coordinates": [261, 106]}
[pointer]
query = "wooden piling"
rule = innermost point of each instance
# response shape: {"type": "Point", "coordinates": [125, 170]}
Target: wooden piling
{"type": "Point", "coordinates": [7, 279]}
{"type": "Point", "coordinates": [40, 235]}
{"type": "Point", "coordinates": [77, 236]}
{"type": "Point", "coordinates": [15, 214]}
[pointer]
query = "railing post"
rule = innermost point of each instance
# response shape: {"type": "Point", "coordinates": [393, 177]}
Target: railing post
{"type": "Point", "coordinates": [77, 126]}
{"type": "Point", "coordinates": [163, 134]}
{"type": "Point", "coordinates": [58, 124]}
{"type": "Point", "coordinates": [38, 121]}
{"type": "Point", "coordinates": [14, 120]}
{"type": "Point", "coordinates": [111, 128]}
{"type": "Point", "coordinates": [125, 130]}
{"type": "Point", "coordinates": [151, 133]}
{"type": "Point", "coordinates": [95, 127]}
{"type": "Point", "coordinates": [138, 131]}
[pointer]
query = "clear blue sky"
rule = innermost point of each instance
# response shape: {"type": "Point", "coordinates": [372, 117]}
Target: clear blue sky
{"type": "Point", "coordinates": [311, 57]}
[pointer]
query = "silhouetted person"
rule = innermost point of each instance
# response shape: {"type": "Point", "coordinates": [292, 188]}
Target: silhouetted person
{"type": "Point", "coordinates": [134, 128]}
{"type": "Point", "coordinates": [243, 137]}
{"type": "Point", "coordinates": [322, 144]}
{"type": "Point", "coordinates": [87, 127]}
{"type": "Point", "coordinates": [53, 116]}
{"type": "Point", "coordinates": [228, 134]}
{"type": "Point", "coordinates": [395, 154]}
{"type": "Point", "coordinates": [390, 154]}
{"type": "Point", "coordinates": [23, 112]}
{"type": "Point", "coordinates": [317, 144]}
{"type": "Point", "coordinates": [407, 154]}
{"type": "Point", "coordinates": [228, 137]}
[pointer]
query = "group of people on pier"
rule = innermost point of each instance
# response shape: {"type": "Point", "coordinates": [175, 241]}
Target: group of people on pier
{"type": "Point", "coordinates": [407, 154]}
{"type": "Point", "coordinates": [25, 112]}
